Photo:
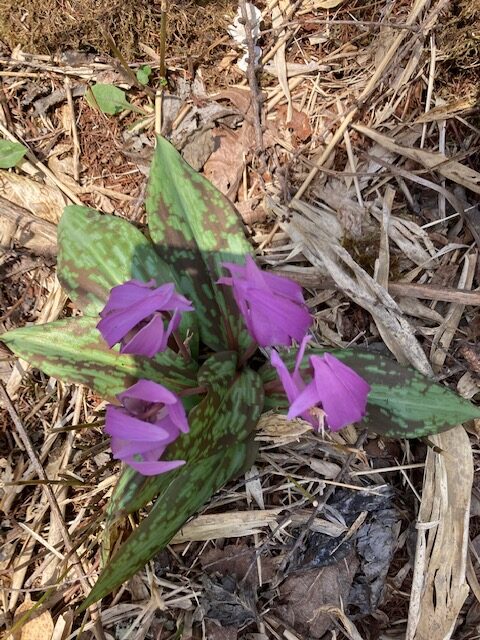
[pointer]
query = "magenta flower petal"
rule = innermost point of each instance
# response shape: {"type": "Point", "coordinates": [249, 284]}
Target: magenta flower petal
{"type": "Point", "coordinates": [342, 392]}
{"type": "Point", "coordinates": [123, 449]}
{"type": "Point", "coordinates": [149, 391]}
{"type": "Point", "coordinates": [292, 389]}
{"type": "Point", "coordinates": [273, 307]}
{"type": "Point", "coordinates": [140, 307]}
{"type": "Point", "coordinates": [151, 417]}
{"type": "Point", "coordinates": [336, 388]}
{"type": "Point", "coordinates": [155, 468]}
{"type": "Point", "coordinates": [305, 400]}
{"type": "Point", "coordinates": [120, 424]}
{"type": "Point", "coordinates": [128, 293]}
{"type": "Point", "coordinates": [149, 340]}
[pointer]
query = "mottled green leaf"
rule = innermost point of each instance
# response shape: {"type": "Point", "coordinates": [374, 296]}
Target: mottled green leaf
{"type": "Point", "coordinates": [195, 228]}
{"type": "Point", "coordinates": [218, 370]}
{"type": "Point", "coordinates": [216, 422]}
{"type": "Point", "coordinates": [402, 403]}
{"type": "Point", "coordinates": [10, 153]}
{"type": "Point", "coordinates": [185, 494]}
{"type": "Point", "coordinates": [220, 445]}
{"type": "Point", "coordinates": [97, 252]}
{"type": "Point", "coordinates": [109, 99]}
{"type": "Point", "coordinates": [74, 351]}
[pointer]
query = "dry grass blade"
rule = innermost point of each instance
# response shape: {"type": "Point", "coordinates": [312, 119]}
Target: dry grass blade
{"type": "Point", "coordinates": [439, 585]}
{"type": "Point", "coordinates": [324, 252]}
{"type": "Point", "coordinates": [448, 168]}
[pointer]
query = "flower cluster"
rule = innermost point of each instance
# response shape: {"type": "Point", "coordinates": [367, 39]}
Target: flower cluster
{"type": "Point", "coordinates": [143, 318]}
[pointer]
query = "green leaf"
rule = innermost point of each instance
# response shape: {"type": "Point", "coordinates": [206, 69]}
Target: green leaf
{"type": "Point", "coordinates": [402, 403]}
{"type": "Point", "coordinates": [187, 492]}
{"type": "Point", "coordinates": [218, 371]}
{"type": "Point", "coordinates": [143, 73]}
{"type": "Point", "coordinates": [74, 351]}
{"type": "Point", "coordinates": [10, 153]}
{"type": "Point", "coordinates": [215, 423]}
{"type": "Point", "coordinates": [219, 446]}
{"type": "Point", "coordinates": [109, 99]}
{"type": "Point", "coordinates": [97, 252]}
{"type": "Point", "coordinates": [195, 228]}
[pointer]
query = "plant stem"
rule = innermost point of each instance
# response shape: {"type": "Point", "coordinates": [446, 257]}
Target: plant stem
{"type": "Point", "coordinates": [163, 38]}
{"type": "Point", "coordinates": [181, 347]}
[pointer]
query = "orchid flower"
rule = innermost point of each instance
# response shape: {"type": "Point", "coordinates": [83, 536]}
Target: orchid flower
{"type": "Point", "coordinates": [273, 307]}
{"type": "Point", "coordinates": [151, 417]}
{"type": "Point", "coordinates": [135, 316]}
{"type": "Point", "coordinates": [340, 392]}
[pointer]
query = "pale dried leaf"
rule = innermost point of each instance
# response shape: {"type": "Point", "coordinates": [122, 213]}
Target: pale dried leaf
{"type": "Point", "coordinates": [44, 201]}
{"type": "Point", "coordinates": [439, 583]}
{"type": "Point", "coordinates": [36, 627]}
{"type": "Point", "coordinates": [224, 167]}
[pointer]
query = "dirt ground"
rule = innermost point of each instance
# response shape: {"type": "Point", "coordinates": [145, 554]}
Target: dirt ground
{"type": "Point", "coordinates": [362, 127]}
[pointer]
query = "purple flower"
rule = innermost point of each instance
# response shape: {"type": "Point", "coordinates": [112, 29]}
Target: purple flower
{"type": "Point", "coordinates": [150, 418]}
{"type": "Point", "coordinates": [341, 392]}
{"type": "Point", "coordinates": [135, 316]}
{"type": "Point", "coordinates": [273, 307]}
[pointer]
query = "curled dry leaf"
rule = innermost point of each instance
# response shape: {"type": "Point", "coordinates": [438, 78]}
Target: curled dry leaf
{"type": "Point", "coordinates": [44, 201]}
{"type": "Point", "coordinates": [306, 597]}
{"type": "Point", "coordinates": [299, 123]}
{"type": "Point", "coordinates": [224, 168]}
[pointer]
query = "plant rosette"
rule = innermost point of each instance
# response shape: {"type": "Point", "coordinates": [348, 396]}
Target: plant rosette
{"type": "Point", "coordinates": [173, 330]}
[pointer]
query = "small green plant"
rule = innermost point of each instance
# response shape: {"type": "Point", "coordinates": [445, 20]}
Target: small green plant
{"type": "Point", "coordinates": [10, 153]}
{"type": "Point", "coordinates": [174, 330]}
{"type": "Point", "coordinates": [143, 74]}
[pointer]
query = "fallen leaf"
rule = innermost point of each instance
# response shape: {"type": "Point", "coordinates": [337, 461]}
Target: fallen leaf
{"type": "Point", "coordinates": [236, 561]}
{"type": "Point", "coordinates": [36, 627]}
{"type": "Point", "coordinates": [224, 168]}
{"type": "Point", "coordinates": [304, 595]}
{"type": "Point", "coordinates": [299, 123]}
{"type": "Point", "coordinates": [42, 200]}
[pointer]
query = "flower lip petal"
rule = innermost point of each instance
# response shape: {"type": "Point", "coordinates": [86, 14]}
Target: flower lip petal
{"type": "Point", "coordinates": [120, 424]}
{"type": "Point", "coordinates": [154, 468]}
{"type": "Point", "coordinates": [342, 392]}
{"type": "Point", "coordinates": [148, 340]}
{"type": "Point", "coordinates": [149, 391]}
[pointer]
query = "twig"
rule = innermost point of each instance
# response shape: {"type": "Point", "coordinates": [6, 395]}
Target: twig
{"type": "Point", "coordinates": [130, 76]}
{"type": "Point", "coordinates": [252, 69]}
{"type": "Point", "coordinates": [321, 504]}
{"type": "Point", "coordinates": [37, 465]}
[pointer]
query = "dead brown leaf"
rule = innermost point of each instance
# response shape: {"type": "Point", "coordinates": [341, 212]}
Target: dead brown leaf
{"type": "Point", "coordinates": [236, 561]}
{"type": "Point", "coordinates": [224, 168]}
{"type": "Point", "coordinates": [305, 594]}
{"type": "Point", "coordinates": [299, 124]}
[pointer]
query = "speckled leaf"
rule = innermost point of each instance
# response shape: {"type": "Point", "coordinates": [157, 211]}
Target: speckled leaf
{"type": "Point", "coordinates": [220, 445]}
{"type": "Point", "coordinates": [97, 252]}
{"type": "Point", "coordinates": [218, 370]}
{"type": "Point", "coordinates": [185, 494]}
{"type": "Point", "coordinates": [402, 403]}
{"type": "Point", "coordinates": [74, 351]}
{"type": "Point", "coordinates": [195, 228]}
{"type": "Point", "coordinates": [217, 422]}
